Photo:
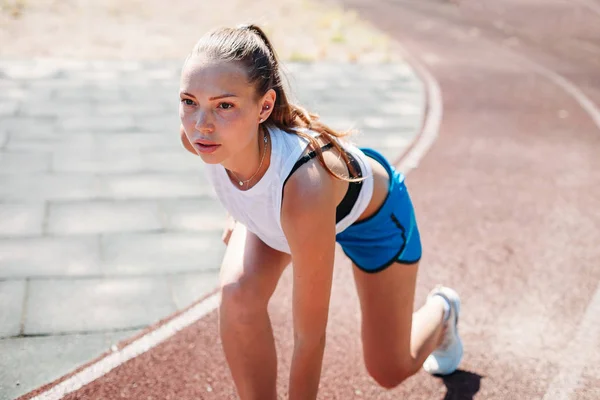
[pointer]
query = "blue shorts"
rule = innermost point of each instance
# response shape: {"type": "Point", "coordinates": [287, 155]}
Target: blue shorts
{"type": "Point", "coordinates": [388, 236]}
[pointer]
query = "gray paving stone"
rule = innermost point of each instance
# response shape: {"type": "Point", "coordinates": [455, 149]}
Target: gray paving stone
{"type": "Point", "coordinates": [23, 163]}
{"type": "Point", "coordinates": [8, 108]}
{"type": "Point", "coordinates": [200, 214]}
{"type": "Point", "coordinates": [119, 66]}
{"type": "Point", "coordinates": [333, 108]}
{"type": "Point", "coordinates": [27, 71]}
{"type": "Point", "coordinates": [403, 89]}
{"type": "Point", "coordinates": [159, 253]}
{"type": "Point", "coordinates": [106, 94]}
{"type": "Point", "coordinates": [116, 336]}
{"type": "Point", "coordinates": [177, 160]}
{"type": "Point", "coordinates": [54, 108]}
{"type": "Point", "coordinates": [21, 219]}
{"type": "Point", "coordinates": [168, 123]}
{"type": "Point", "coordinates": [139, 141]}
{"type": "Point", "coordinates": [49, 256]}
{"type": "Point", "coordinates": [136, 109]}
{"type": "Point", "coordinates": [400, 109]}
{"type": "Point", "coordinates": [51, 144]}
{"type": "Point", "coordinates": [165, 95]}
{"type": "Point", "coordinates": [73, 93]}
{"type": "Point", "coordinates": [61, 82]}
{"type": "Point", "coordinates": [30, 362]}
{"type": "Point", "coordinates": [394, 140]}
{"type": "Point", "coordinates": [3, 139]}
{"type": "Point", "coordinates": [88, 217]}
{"type": "Point", "coordinates": [86, 143]}
{"type": "Point", "coordinates": [95, 161]}
{"type": "Point", "coordinates": [188, 288]}
{"type": "Point", "coordinates": [382, 123]}
{"type": "Point", "coordinates": [30, 126]}
{"type": "Point", "coordinates": [342, 123]}
{"type": "Point", "coordinates": [414, 97]}
{"type": "Point", "coordinates": [159, 73]}
{"type": "Point", "coordinates": [95, 75]}
{"type": "Point", "coordinates": [89, 305]}
{"type": "Point", "coordinates": [97, 123]}
{"type": "Point", "coordinates": [12, 294]}
{"type": "Point", "coordinates": [393, 153]}
{"type": "Point", "coordinates": [381, 142]}
{"type": "Point", "coordinates": [154, 185]}
{"type": "Point", "coordinates": [41, 187]}
{"type": "Point", "coordinates": [99, 160]}
{"type": "Point", "coordinates": [6, 84]}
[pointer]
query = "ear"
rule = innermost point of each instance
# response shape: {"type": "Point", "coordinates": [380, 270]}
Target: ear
{"type": "Point", "coordinates": [267, 102]}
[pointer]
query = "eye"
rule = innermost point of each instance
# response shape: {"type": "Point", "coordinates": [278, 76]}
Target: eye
{"type": "Point", "coordinates": [225, 106]}
{"type": "Point", "coordinates": [187, 102]}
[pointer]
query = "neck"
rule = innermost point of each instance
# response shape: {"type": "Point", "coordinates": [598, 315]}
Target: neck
{"type": "Point", "coordinates": [252, 167]}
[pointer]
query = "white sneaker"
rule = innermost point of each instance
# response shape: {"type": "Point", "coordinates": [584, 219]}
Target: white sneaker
{"type": "Point", "coordinates": [445, 359]}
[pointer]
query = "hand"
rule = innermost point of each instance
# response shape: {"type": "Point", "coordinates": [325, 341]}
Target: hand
{"type": "Point", "coordinates": [228, 229]}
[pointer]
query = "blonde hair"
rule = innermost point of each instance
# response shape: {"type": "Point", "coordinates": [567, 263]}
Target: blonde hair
{"type": "Point", "coordinates": [249, 46]}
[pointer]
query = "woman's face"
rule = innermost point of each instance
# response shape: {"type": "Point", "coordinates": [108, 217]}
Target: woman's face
{"type": "Point", "coordinates": [219, 110]}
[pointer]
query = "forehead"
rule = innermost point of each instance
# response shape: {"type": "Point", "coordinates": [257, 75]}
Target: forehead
{"type": "Point", "coordinates": [204, 77]}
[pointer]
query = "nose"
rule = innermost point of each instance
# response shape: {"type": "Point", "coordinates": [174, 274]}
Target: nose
{"type": "Point", "coordinates": [204, 123]}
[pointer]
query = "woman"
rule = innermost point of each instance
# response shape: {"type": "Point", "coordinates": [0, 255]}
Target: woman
{"type": "Point", "coordinates": [295, 187]}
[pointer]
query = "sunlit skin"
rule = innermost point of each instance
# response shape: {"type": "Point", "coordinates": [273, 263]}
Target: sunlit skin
{"type": "Point", "coordinates": [218, 106]}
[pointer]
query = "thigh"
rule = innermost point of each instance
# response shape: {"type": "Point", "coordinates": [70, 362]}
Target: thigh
{"type": "Point", "coordinates": [387, 301]}
{"type": "Point", "coordinates": [250, 265]}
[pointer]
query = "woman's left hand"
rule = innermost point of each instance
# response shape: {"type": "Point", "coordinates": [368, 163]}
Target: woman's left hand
{"type": "Point", "coordinates": [228, 229]}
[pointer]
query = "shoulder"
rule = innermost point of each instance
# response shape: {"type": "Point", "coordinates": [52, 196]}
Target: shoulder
{"type": "Point", "coordinates": [308, 194]}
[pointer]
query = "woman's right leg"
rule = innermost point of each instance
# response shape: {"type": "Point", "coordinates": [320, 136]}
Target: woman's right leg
{"type": "Point", "coordinates": [249, 276]}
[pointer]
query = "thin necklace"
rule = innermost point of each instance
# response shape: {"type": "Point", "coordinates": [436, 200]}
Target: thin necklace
{"type": "Point", "coordinates": [240, 182]}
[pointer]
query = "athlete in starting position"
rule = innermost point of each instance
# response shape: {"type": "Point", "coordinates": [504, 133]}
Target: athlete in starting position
{"type": "Point", "coordinates": [295, 187]}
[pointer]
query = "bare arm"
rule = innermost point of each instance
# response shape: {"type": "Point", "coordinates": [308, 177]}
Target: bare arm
{"type": "Point", "coordinates": [308, 220]}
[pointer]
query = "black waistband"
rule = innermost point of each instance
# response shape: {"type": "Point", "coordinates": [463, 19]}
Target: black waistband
{"type": "Point", "coordinates": [345, 206]}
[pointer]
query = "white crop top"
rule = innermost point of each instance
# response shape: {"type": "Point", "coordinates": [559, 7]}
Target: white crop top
{"type": "Point", "coordinates": [259, 208]}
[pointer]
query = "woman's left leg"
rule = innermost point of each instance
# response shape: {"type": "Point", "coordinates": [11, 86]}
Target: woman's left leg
{"type": "Point", "coordinates": [396, 342]}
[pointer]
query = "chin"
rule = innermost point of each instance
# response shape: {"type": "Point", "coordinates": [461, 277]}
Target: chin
{"type": "Point", "coordinates": [211, 158]}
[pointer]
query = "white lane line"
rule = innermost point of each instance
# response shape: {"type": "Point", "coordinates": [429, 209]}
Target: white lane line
{"type": "Point", "coordinates": [592, 5]}
{"type": "Point", "coordinates": [578, 353]}
{"type": "Point", "coordinates": [431, 125]}
{"type": "Point", "coordinates": [584, 101]}
{"type": "Point", "coordinates": [588, 332]}
{"type": "Point", "coordinates": [134, 349]}
{"type": "Point", "coordinates": [94, 371]}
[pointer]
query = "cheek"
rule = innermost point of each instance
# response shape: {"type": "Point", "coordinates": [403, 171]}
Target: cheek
{"type": "Point", "coordinates": [237, 129]}
{"type": "Point", "coordinates": [188, 120]}
{"type": "Point", "coordinates": [184, 116]}
{"type": "Point", "coordinates": [236, 122]}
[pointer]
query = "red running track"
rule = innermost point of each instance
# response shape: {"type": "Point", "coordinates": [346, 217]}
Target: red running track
{"type": "Point", "coordinates": [508, 200]}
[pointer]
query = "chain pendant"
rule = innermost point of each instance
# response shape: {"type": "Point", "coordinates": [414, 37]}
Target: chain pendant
{"type": "Point", "coordinates": [241, 183]}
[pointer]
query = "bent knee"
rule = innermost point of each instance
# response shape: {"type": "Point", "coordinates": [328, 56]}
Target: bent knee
{"type": "Point", "coordinates": [242, 302]}
{"type": "Point", "coordinates": [389, 375]}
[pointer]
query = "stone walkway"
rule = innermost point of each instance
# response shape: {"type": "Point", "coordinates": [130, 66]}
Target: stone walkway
{"type": "Point", "coordinates": [106, 223]}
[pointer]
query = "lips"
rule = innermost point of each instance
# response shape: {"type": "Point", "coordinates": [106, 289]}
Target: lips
{"type": "Point", "coordinates": [205, 146]}
{"type": "Point", "coordinates": [205, 142]}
